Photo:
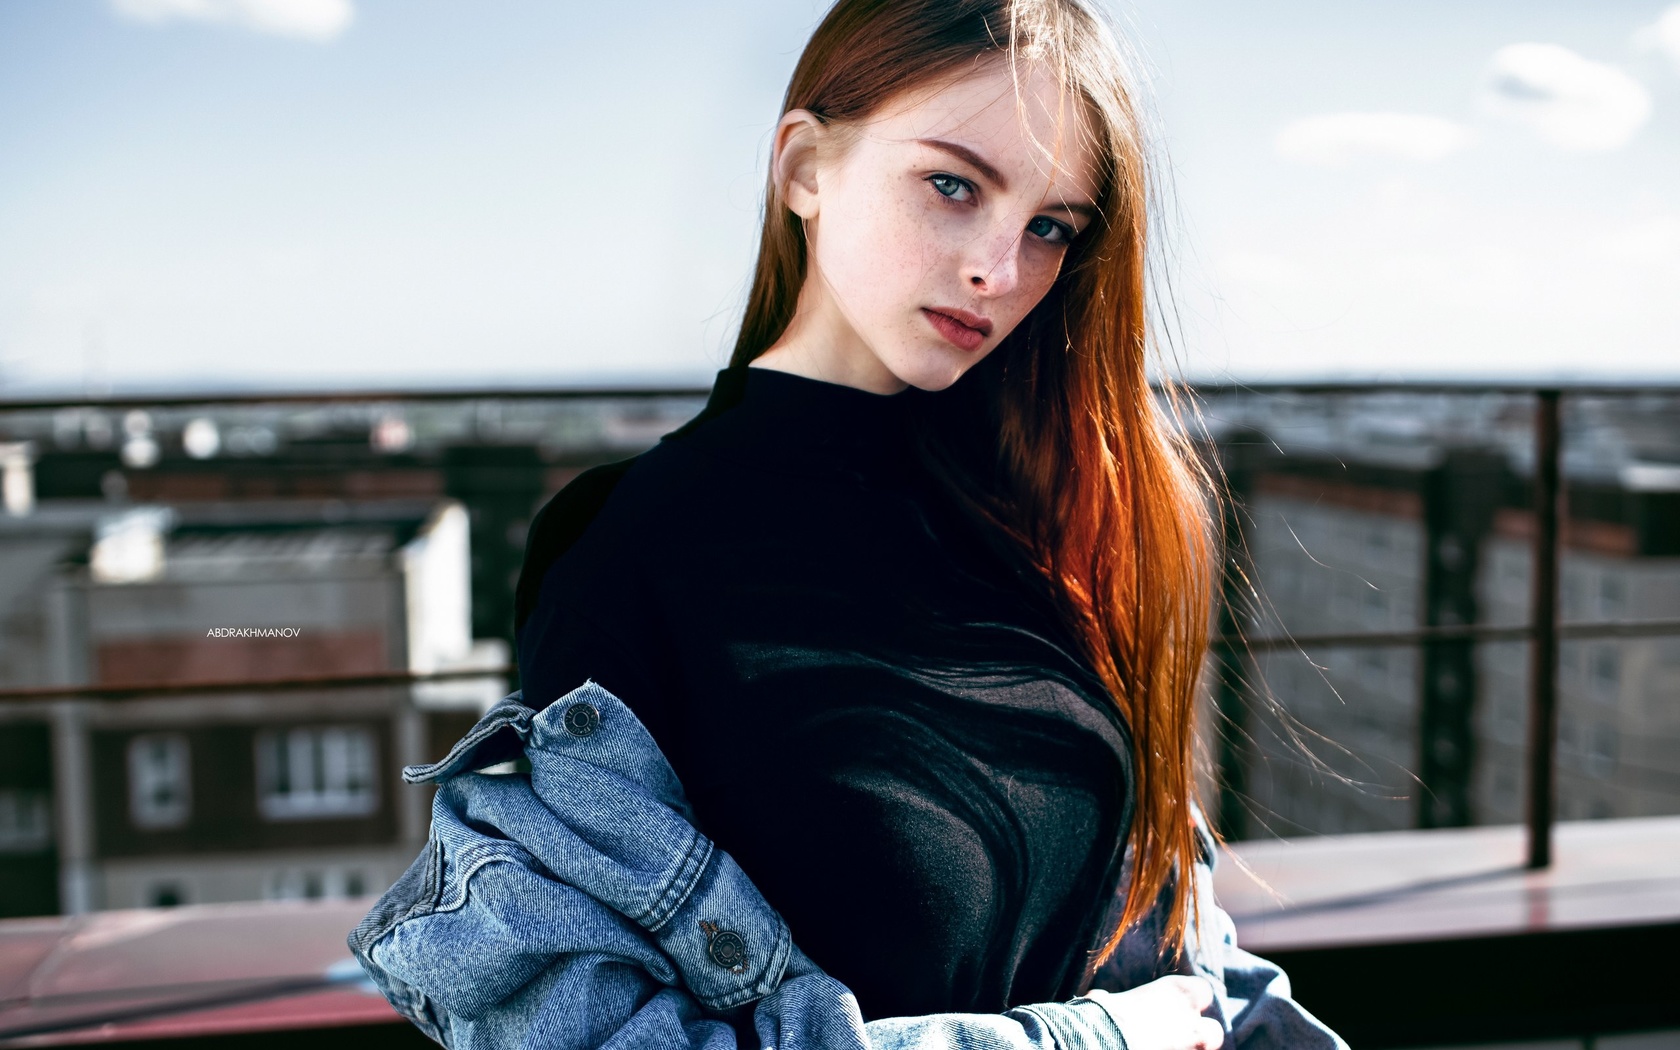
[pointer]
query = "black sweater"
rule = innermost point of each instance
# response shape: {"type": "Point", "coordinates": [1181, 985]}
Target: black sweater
{"type": "Point", "coordinates": [862, 705]}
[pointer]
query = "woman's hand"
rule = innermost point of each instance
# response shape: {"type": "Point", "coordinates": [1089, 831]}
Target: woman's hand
{"type": "Point", "coordinates": [1164, 1014]}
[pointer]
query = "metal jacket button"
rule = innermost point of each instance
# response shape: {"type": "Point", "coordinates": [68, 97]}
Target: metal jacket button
{"type": "Point", "coordinates": [582, 719]}
{"type": "Point", "coordinates": [727, 948]}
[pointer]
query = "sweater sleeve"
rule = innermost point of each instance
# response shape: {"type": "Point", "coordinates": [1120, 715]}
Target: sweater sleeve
{"type": "Point", "coordinates": [585, 608]}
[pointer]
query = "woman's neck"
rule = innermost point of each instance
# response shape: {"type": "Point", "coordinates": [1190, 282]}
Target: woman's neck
{"type": "Point", "coordinates": [821, 344]}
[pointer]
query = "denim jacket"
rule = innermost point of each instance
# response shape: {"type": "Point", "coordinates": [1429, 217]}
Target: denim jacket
{"type": "Point", "coordinates": [577, 906]}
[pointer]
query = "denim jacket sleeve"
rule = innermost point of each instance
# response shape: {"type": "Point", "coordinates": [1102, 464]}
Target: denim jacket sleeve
{"type": "Point", "coordinates": [578, 906]}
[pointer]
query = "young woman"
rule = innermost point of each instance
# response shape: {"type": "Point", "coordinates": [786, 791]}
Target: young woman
{"type": "Point", "coordinates": [916, 605]}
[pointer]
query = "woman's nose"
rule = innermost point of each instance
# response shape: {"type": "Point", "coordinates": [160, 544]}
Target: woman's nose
{"type": "Point", "coordinates": [994, 269]}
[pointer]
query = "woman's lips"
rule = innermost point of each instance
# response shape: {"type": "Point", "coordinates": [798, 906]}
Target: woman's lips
{"type": "Point", "coordinates": [965, 331]}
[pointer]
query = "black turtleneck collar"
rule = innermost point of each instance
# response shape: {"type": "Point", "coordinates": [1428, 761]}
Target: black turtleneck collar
{"type": "Point", "coordinates": [788, 420]}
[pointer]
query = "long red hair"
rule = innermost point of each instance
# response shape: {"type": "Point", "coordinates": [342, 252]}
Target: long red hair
{"type": "Point", "coordinates": [1055, 443]}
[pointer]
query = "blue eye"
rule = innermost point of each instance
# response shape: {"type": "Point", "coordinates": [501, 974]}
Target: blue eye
{"type": "Point", "coordinates": [951, 186]}
{"type": "Point", "coordinates": [1049, 229]}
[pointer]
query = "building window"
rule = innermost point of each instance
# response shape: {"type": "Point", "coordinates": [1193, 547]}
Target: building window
{"type": "Point", "coordinates": [316, 772]}
{"type": "Point", "coordinates": [1607, 671]}
{"type": "Point", "coordinates": [165, 895]}
{"type": "Point", "coordinates": [1376, 609]}
{"type": "Point", "coordinates": [1601, 759]}
{"type": "Point", "coordinates": [1373, 667]}
{"type": "Point", "coordinates": [310, 884]}
{"type": "Point", "coordinates": [25, 821]}
{"type": "Point", "coordinates": [159, 779]}
{"type": "Point", "coordinates": [1612, 597]}
{"type": "Point", "coordinates": [1376, 543]}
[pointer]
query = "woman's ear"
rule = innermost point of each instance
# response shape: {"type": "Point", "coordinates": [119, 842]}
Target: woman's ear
{"type": "Point", "coordinates": [794, 161]}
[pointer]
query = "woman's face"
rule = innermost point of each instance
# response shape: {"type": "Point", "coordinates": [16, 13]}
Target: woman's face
{"type": "Point", "coordinates": [933, 228]}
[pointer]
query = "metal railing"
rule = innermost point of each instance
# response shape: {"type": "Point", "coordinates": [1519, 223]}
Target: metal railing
{"type": "Point", "coordinates": [299, 684]}
{"type": "Point", "coordinates": [1544, 631]}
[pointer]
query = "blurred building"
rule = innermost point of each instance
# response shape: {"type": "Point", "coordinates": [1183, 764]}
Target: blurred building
{"type": "Point", "coordinates": [1345, 739]}
{"type": "Point", "coordinates": [245, 543]}
{"type": "Point", "coordinates": [500, 460]}
{"type": "Point", "coordinates": [1618, 699]}
{"type": "Point", "coordinates": [239, 793]}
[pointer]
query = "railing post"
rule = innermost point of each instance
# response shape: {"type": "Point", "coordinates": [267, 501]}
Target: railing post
{"type": "Point", "coordinates": [1543, 650]}
{"type": "Point", "coordinates": [1460, 496]}
{"type": "Point", "coordinates": [1230, 700]}
{"type": "Point", "coordinates": [72, 765]}
{"type": "Point", "coordinates": [1240, 455]}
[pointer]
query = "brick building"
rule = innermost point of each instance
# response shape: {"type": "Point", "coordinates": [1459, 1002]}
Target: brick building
{"type": "Point", "coordinates": [241, 793]}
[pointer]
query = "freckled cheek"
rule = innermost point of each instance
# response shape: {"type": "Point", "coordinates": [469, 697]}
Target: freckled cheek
{"type": "Point", "coordinates": [1036, 279]}
{"type": "Point", "coordinates": [883, 257]}
{"type": "Point", "coordinates": [905, 237]}
{"type": "Point", "coordinates": [1038, 272]}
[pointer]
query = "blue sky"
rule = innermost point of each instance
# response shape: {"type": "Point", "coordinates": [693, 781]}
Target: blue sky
{"type": "Point", "coordinates": [395, 192]}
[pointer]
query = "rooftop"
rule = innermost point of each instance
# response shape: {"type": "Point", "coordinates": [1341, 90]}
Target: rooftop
{"type": "Point", "coordinates": [245, 969]}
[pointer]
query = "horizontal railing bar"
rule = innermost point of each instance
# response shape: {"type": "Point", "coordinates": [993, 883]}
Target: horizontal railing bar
{"type": "Point", "coordinates": [1435, 386]}
{"type": "Point", "coordinates": [339, 397]}
{"type": "Point", "coordinates": [1464, 632]}
{"type": "Point", "coordinates": [551, 393]}
{"type": "Point", "coordinates": [265, 685]}
{"type": "Point", "coordinates": [1348, 640]}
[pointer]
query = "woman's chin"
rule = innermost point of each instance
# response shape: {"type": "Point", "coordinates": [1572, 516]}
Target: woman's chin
{"type": "Point", "coordinates": [934, 370]}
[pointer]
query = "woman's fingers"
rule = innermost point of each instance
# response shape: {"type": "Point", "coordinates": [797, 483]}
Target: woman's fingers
{"type": "Point", "coordinates": [1165, 1014]}
{"type": "Point", "coordinates": [1197, 990]}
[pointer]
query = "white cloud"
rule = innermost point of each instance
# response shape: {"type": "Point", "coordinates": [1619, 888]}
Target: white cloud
{"type": "Point", "coordinates": [1662, 35]}
{"type": "Point", "coordinates": [1570, 102]}
{"type": "Point", "coordinates": [1336, 140]}
{"type": "Point", "coordinates": [308, 19]}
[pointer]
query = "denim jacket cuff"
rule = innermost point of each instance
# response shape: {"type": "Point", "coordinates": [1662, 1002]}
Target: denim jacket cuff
{"type": "Point", "coordinates": [1079, 1024]}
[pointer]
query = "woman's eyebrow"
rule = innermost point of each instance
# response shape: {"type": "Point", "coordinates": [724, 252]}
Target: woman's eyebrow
{"type": "Point", "coordinates": [963, 153]}
{"type": "Point", "coordinates": [994, 176]}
